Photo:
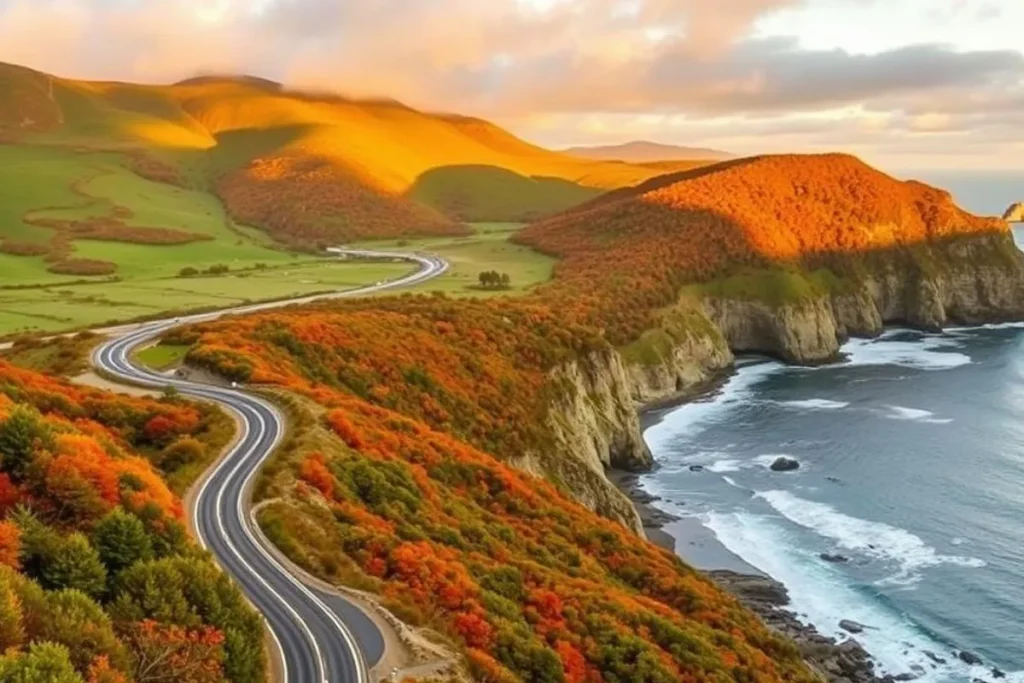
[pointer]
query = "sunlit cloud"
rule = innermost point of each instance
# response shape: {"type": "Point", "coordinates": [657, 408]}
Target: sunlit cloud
{"type": "Point", "coordinates": [882, 79]}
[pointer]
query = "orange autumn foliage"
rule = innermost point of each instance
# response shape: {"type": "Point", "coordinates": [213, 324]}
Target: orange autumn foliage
{"type": "Point", "coordinates": [313, 472]}
{"type": "Point", "coordinates": [626, 254]}
{"type": "Point", "coordinates": [421, 505]}
{"type": "Point", "coordinates": [429, 397]}
{"type": "Point", "coordinates": [10, 544]}
{"type": "Point", "coordinates": [304, 200]}
{"type": "Point", "coordinates": [193, 655]}
{"type": "Point", "coordinates": [79, 511]}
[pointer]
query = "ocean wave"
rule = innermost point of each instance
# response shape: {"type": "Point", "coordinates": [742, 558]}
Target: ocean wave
{"type": "Point", "coordinates": [876, 540]}
{"type": "Point", "coordinates": [823, 595]}
{"type": "Point", "coordinates": [915, 414]}
{"type": "Point", "coordinates": [687, 421]}
{"type": "Point", "coordinates": [814, 404]}
{"type": "Point", "coordinates": [723, 466]}
{"type": "Point", "coordinates": [926, 353]}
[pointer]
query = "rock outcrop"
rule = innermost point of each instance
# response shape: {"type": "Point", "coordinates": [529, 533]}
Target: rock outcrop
{"type": "Point", "coordinates": [595, 426]}
{"type": "Point", "coordinates": [1015, 214]}
{"type": "Point", "coordinates": [696, 353]}
{"type": "Point", "coordinates": [970, 280]}
{"type": "Point", "coordinates": [846, 661]}
{"type": "Point", "coordinates": [594, 420]}
{"type": "Point", "coordinates": [784, 464]}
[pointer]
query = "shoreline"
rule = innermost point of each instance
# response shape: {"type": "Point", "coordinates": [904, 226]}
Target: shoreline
{"type": "Point", "coordinates": [841, 659]}
{"type": "Point", "coordinates": [696, 545]}
{"type": "Point", "coordinates": [836, 661]}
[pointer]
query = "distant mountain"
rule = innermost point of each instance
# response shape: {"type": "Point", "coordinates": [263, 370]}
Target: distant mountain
{"type": "Point", "coordinates": [641, 151]}
{"type": "Point", "coordinates": [309, 167]}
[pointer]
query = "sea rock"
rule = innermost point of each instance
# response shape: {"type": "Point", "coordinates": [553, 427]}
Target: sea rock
{"type": "Point", "coordinates": [1015, 214]}
{"type": "Point", "coordinates": [934, 657]}
{"type": "Point", "coordinates": [845, 662]}
{"type": "Point", "coordinates": [905, 677]}
{"type": "Point", "coordinates": [696, 468]}
{"type": "Point", "coordinates": [969, 657]}
{"type": "Point", "coordinates": [836, 559]}
{"type": "Point", "coordinates": [851, 626]}
{"type": "Point", "coordinates": [998, 673]}
{"type": "Point", "coordinates": [784, 464]}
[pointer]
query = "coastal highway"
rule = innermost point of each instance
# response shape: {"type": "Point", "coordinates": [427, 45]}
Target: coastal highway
{"type": "Point", "coordinates": [320, 636]}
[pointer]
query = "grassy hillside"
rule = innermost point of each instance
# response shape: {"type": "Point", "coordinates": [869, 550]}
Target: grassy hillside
{"type": "Point", "coordinates": [310, 167]}
{"type": "Point", "coordinates": [109, 190]}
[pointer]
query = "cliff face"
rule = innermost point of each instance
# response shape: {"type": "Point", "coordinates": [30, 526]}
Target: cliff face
{"type": "Point", "coordinates": [595, 421]}
{"type": "Point", "coordinates": [692, 359]}
{"type": "Point", "coordinates": [595, 424]}
{"type": "Point", "coordinates": [967, 281]}
{"type": "Point", "coordinates": [1015, 214]}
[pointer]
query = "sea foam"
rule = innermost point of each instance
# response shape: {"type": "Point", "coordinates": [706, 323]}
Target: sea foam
{"type": "Point", "coordinates": [823, 595]}
{"type": "Point", "coordinates": [905, 551]}
{"type": "Point", "coordinates": [926, 353]}
{"type": "Point", "coordinates": [814, 404]}
{"type": "Point", "coordinates": [915, 414]}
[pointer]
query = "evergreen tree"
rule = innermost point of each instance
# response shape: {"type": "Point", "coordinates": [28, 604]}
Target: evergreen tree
{"type": "Point", "coordinates": [121, 540]}
{"type": "Point", "coordinates": [44, 663]}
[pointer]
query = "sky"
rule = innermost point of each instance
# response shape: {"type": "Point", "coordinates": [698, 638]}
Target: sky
{"type": "Point", "coordinates": [905, 84]}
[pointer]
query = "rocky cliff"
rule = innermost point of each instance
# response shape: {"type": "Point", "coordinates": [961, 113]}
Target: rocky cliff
{"type": "Point", "coordinates": [1015, 214]}
{"type": "Point", "coordinates": [964, 281]}
{"type": "Point", "coordinates": [594, 422]}
{"type": "Point", "coordinates": [967, 281]}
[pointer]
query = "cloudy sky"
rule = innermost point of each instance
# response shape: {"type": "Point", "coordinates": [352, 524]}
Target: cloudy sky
{"type": "Point", "coordinates": [904, 83]}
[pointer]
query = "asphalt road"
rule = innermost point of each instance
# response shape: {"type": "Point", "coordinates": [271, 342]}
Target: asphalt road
{"type": "Point", "coordinates": [321, 636]}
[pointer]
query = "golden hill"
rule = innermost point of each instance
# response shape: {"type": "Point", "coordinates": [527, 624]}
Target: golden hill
{"type": "Point", "coordinates": [633, 248]}
{"type": "Point", "coordinates": [379, 168]}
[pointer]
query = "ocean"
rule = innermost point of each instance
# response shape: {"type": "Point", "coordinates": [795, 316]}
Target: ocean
{"type": "Point", "coordinates": [911, 456]}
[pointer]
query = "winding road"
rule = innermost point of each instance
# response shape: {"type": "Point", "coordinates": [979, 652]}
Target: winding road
{"type": "Point", "coordinates": [320, 635]}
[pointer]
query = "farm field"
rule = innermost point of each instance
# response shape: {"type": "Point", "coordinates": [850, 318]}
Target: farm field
{"type": "Point", "coordinates": [59, 184]}
{"type": "Point", "coordinates": [63, 307]}
{"type": "Point", "coordinates": [488, 248]}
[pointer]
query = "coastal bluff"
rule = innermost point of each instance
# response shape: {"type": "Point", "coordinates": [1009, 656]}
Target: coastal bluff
{"type": "Point", "coordinates": [1015, 213]}
{"type": "Point", "coordinates": [971, 280]}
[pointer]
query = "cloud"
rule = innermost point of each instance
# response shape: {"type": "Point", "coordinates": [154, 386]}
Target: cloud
{"type": "Point", "coordinates": [528, 63]}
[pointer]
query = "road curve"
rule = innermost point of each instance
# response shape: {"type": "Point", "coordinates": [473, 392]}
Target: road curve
{"type": "Point", "coordinates": [320, 636]}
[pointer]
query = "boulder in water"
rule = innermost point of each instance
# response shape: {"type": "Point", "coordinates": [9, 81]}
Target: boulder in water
{"type": "Point", "coordinates": [784, 464]}
{"type": "Point", "coordinates": [696, 468]}
{"type": "Point", "coordinates": [836, 559]}
{"type": "Point", "coordinates": [851, 626]}
{"type": "Point", "coordinates": [969, 657]}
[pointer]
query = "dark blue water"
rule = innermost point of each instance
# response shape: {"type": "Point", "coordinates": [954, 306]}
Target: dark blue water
{"type": "Point", "coordinates": [912, 466]}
